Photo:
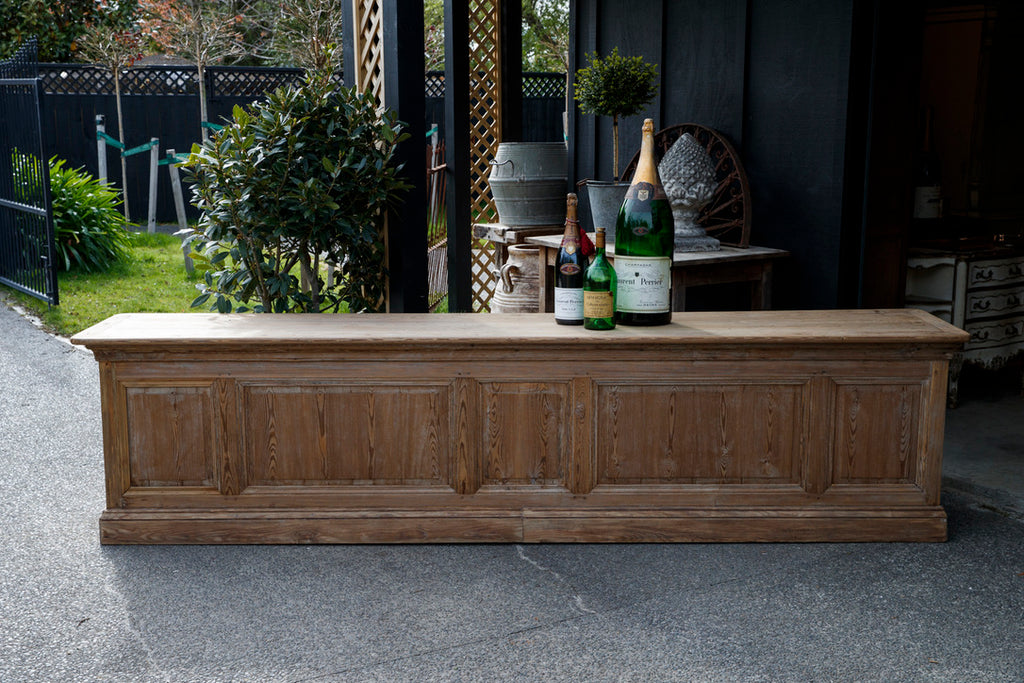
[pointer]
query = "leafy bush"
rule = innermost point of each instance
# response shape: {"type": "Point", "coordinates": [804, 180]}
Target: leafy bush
{"type": "Point", "coordinates": [299, 179]}
{"type": "Point", "coordinates": [89, 231]}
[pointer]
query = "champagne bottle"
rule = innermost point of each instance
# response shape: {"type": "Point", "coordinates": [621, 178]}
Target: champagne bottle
{"type": "Point", "coordinates": [570, 267]}
{"type": "Point", "coordinates": [644, 237]}
{"type": "Point", "coordinates": [599, 287]}
{"type": "Point", "coordinates": [928, 179]}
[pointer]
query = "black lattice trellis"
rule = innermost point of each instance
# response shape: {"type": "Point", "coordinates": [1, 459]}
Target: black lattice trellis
{"type": "Point", "coordinates": [543, 85]}
{"type": "Point", "coordinates": [535, 84]}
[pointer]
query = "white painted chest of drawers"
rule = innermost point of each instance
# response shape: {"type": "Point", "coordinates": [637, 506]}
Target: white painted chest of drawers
{"type": "Point", "coordinates": [980, 291]}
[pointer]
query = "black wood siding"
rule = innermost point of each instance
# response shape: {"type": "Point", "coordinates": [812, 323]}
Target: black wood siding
{"type": "Point", "coordinates": [773, 75]}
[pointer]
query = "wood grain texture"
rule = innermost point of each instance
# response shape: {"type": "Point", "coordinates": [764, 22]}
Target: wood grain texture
{"type": "Point", "coordinates": [767, 426]}
{"type": "Point", "coordinates": [177, 423]}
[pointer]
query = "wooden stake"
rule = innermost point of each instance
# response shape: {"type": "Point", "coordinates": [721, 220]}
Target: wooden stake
{"type": "Point", "coordinates": [154, 167]}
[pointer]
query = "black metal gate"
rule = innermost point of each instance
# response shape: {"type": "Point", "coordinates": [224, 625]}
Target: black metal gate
{"type": "Point", "coordinates": [26, 217]}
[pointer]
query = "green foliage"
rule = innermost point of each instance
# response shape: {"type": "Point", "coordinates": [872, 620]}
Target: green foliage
{"type": "Point", "coordinates": [615, 85]}
{"type": "Point", "coordinates": [56, 25]}
{"type": "Point", "coordinates": [545, 35]}
{"type": "Point", "coordinates": [300, 178]}
{"type": "Point", "coordinates": [89, 230]}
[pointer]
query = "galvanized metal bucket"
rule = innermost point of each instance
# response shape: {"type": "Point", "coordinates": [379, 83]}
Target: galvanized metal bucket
{"type": "Point", "coordinates": [528, 182]}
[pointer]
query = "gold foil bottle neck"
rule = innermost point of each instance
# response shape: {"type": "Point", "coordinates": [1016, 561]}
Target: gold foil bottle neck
{"type": "Point", "coordinates": [571, 202]}
{"type": "Point", "coordinates": [646, 168]}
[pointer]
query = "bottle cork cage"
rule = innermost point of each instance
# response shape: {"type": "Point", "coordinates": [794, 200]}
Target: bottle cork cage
{"type": "Point", "coordinates": [760, 426]}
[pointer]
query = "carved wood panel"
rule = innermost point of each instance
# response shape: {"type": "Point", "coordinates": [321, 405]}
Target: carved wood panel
{"type": "Point", "coordinates": [876, 436]}
{"type": "Point", "coordinates": [699, 433]}
{"type": "Point", "coordinates": [526, 433]}
{"type": "Point", "coordinates": [346, 434]}
{"type": "Point", "coordinates": [177, 423]}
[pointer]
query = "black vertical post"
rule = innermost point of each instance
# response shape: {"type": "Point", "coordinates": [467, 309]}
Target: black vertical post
{"type": "Point", "coordinates": [457, 156]}
{"type": "Point", "coordinates": [511, 66]}
{"type": "Point", "coordinates": [348, 42]}
{"type": "Point", "coordinates": [404, 94]}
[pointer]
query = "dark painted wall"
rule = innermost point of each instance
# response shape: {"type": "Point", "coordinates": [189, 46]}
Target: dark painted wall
{"type": "Point", "coordinates": [773, 75]}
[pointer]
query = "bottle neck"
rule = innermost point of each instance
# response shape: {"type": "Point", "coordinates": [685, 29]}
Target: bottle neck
{"type": "Point", "coordinates": [572, 227]}
{"type": "Point", "coordinates": [599, 243]}
{"type": "Point", "coordinates": [646, 169]}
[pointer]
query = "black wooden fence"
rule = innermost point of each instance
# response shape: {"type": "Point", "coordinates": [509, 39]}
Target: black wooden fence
{"type": "Point", "coordinates": [163, 102]}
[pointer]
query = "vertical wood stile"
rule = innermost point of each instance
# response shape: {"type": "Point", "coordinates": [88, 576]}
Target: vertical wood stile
{"type": "Point", "coordinates": [582, 469]}
{"type": "Point", "coordinates": [228, 437]}
{"type": "Point", "coordinates": [932, 428]}
{"type": "Point", "coordinates": [466, 452]}
{"type": "Point", "coordinates": [113, 403]}
{"type": "Point", "coordinates": [818, 447]}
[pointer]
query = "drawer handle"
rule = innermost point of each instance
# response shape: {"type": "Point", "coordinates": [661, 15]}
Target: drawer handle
{"type": "Point", "coordinates": [981, 305]}
{"type": "Point", "coordinates": [1013, 300]}
{"type": "Point", "coordinates": [983, 275]}
{"type": "Point", "coordinates": [980, 335]}
{"type": "Point", "coordinates": [1016, 269]}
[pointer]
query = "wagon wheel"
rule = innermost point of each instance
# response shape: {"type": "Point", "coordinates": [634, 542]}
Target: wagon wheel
{"type": "Point", "coordinates": [727, 216]}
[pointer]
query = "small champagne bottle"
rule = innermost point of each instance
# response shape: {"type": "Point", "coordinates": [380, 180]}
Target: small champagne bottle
{"type": "Point", "coordinates": [599, 290]}
{"type": "Point", "coordinates": [570, 266]}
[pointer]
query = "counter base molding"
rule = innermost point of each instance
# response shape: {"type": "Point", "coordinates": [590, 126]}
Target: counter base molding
{"type": "Point", "coordinates": [752, 426]}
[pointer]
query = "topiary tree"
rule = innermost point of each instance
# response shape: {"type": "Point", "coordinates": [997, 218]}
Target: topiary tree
{"type": "Point", "coordinates": [299, 179]}
{"type": "Point", "coordinates": [615, 86]}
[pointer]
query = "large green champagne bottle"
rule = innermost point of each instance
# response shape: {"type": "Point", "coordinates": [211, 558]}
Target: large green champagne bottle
{"type": "Point", "coordinates": [599, 291]}
{"type": "Point", "coordinates": [644, 236]}
{"type": "Point", "coordinates": [570, 268]}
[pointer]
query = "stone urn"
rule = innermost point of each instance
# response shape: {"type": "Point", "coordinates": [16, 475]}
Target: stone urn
{"type": "Point", "coordinates": [688, 176]}
{"type": "Point", "coordinates": [518, 281]}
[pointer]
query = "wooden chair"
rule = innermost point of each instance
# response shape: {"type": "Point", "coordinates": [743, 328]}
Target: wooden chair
{"type": "Point", "coordinates": [727, 216]}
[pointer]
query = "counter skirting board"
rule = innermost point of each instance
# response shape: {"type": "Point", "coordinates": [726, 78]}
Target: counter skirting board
{"type": "Point", "coordinates": [407, 428]}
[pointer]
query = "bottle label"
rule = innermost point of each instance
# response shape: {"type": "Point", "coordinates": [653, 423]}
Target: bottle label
{"type": "Point", "coordinates": [928, 201]}
{"type": "Point", "coordinates": [598, 304]}
{"type": "Point", "coordinates": [569, 303]}
{"type": "Point", "coordinates": [570, 244]}
{"type": "Point", "coordinates": [644, 192]}
{"type": "Point", "coordinates": [644, 284]}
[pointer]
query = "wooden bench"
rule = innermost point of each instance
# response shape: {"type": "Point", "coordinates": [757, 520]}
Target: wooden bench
{"type": "Point", "coordinates": [751, 426]}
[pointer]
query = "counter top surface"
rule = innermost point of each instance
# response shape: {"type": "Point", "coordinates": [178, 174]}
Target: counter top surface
{"type": "Point", "coordinates": [798, 328]}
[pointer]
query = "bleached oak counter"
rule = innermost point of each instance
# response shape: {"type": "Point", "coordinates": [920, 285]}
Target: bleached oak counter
{"type": "Point", "coordinates": [752, 426]}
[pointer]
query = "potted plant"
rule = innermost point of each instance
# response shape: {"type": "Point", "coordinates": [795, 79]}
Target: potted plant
{"type": "Point", "coordinates": [614, 86]}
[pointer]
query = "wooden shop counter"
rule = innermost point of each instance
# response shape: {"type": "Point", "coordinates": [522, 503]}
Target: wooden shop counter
{"type": "Point", "coordinates": [750, 426]}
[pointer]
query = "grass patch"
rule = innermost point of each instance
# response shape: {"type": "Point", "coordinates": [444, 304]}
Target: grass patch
{"type": "Point", "coordinates": [153, 280]}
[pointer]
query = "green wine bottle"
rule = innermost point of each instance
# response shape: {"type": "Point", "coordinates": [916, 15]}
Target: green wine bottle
{"type": "Point", "coordinates": [599, 290]}
{"type": "Point", "coordinates": [644, 237]}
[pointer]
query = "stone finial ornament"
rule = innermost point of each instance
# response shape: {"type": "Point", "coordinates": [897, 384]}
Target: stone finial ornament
{"type": "Point", "coordinates": [688, 176]}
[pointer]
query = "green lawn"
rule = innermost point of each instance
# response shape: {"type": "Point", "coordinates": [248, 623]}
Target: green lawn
{"type": "Point", "coordinates": [154, 280]}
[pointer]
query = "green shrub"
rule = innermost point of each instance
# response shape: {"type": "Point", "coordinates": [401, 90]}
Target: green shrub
{"type": "Point", "coordinates": [301, 178]}
{"type": "Point", "coordinates": [89, 230]}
